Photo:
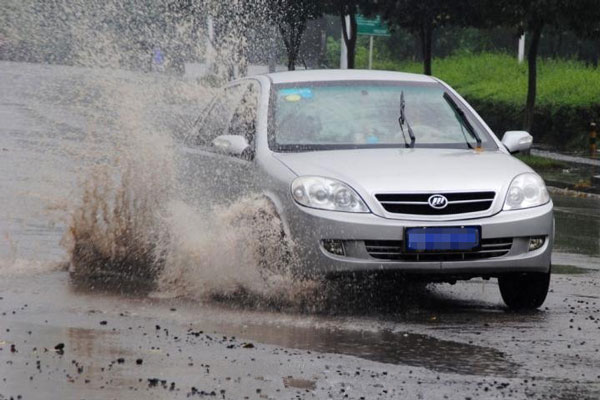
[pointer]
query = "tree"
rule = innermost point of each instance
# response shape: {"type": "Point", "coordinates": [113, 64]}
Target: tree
{"type": "Point", "coordinates": [231, 24]}
{"type": "Point", "coordinates": [528, 16]}
{"type": "Point", "coordinates": [418, 17]}
{"type": "Point", "coordinates": [532, 17]}
{"type": "Point", "coordinates": [585, 22]}
{"type": "Point", "coordinates": [344, 8]}
{"type": "Point", "coordinates": [291, 17]}
{"type": "Point", "coordinates": [187, 19]}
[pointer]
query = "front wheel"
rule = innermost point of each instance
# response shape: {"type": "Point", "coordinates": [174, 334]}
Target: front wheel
{"type": "Point", "coordinates": [524, 291]}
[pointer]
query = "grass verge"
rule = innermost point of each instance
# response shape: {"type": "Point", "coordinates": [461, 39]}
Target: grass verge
{"type": "Point", "coordinates": [496, 85]}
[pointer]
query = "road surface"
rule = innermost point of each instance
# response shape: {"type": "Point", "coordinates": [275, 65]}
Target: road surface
{"type": "Point", "coordinates": [60, 339]}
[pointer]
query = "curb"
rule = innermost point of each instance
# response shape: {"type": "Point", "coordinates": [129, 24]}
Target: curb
{"type": "Point", "coordinates": [566, 158]}
{"type": "Point", "coordinates": [565, 191]}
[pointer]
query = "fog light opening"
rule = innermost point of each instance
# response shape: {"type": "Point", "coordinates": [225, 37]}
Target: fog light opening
{"type": "Point", "coordinates": [536, 242]}
{"type": "Point", "coordinates": [334, 247]}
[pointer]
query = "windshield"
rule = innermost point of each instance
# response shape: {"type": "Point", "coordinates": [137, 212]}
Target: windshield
{"type": "Point", "coordinates": [348, 114]}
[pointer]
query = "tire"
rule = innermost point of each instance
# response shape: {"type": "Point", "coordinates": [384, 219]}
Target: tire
{"type": "Point", "coordinates": [524, 291]}
{"type": "Point", "coordinates": [266, 236]}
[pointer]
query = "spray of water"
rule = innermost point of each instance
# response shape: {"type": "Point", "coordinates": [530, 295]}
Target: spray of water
{"type": "Point", "coordinates": [131, 225]}
{"type": "Point", "coordinates": [125, 218]}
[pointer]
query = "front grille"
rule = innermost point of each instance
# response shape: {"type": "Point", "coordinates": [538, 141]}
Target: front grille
{"type": "Point", "coordinates": [394, 250]}
{"type": "Point", "coordinates": [417, 203]}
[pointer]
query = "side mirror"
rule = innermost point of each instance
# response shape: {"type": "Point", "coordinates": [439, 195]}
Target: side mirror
{"type": "Point", "coordinates": [516, 141]}
{"type": "Point", "coordinates": [233, 145]}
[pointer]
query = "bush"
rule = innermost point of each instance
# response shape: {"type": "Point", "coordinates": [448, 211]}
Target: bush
{"type": "Point", "coordinates": [496, 86]}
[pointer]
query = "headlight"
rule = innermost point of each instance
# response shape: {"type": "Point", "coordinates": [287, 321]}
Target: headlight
{"type": "Point", "coordinates": [327, 194]}
{"type": "Point", "coordinates": [526, 190]}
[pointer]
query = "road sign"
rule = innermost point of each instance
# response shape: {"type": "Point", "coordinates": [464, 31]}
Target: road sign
{"type": "Point", "coordinates": [371, 26]}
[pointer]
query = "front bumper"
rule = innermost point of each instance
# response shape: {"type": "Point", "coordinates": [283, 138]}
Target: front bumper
{"type": "Point", "coordinates": [310, 227]}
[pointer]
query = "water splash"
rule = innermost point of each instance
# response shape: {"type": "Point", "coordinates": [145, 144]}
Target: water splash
{"type": "Point", "coordinates": [130, 223]}
{"type": "Point", "coordinates": [117, 125]}
{"type": "Point", "coordinates": [113, 226]}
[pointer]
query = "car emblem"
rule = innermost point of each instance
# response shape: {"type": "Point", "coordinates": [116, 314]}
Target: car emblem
{"type": "Point", "coordinates": [438, 201]}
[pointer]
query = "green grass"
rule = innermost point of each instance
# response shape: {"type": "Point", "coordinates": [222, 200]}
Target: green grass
{"type": "Point", "coordinates": [541, 163]}
{"type": "Point", "coordinates": [495, 84]}
{"type": "Point", "coordinates": [500, 78]}
{"type": "Point", "coordinates": [568, 93]}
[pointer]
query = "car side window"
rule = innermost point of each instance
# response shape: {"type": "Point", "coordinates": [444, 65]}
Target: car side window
{"type": "Point", "coordinates": [243, 122]}
{"type": "Point", "coordinates": [217, 117]}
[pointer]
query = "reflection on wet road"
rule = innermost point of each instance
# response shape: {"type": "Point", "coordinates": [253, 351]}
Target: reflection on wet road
{"type": "Point", "coordinates": [577, 225]}
{"type": "Point", "coordinates": [384, 346]}
{"type": "Point", "coordinates": [451, 340]}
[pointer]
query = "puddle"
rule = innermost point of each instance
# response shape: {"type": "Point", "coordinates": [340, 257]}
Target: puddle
{"type": "Point", "coordinates": [577, 225]}
{"type": "Point", "coordinates": [383, 346]}
{"type": "Point", "coordinates": [569, 270]}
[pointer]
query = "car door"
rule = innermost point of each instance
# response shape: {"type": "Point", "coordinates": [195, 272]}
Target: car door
{"type": "Point", "coordinates": [207, 175]}
{"type": "Point", "coordinates": [238, 172]}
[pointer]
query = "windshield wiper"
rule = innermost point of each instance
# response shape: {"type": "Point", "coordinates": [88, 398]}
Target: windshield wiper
{"type": "Point", "coordinates": [465, 121]}
{"type": "Point", "coordinates": [402, 120]}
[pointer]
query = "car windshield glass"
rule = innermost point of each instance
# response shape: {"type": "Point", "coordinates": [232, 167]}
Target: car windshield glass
{"type": "Point", "coordinates": [317, 115]}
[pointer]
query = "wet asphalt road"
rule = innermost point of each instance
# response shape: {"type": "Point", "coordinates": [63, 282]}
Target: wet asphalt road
{"type": "Point", "coordinates": [447, 341]}
{"type": "Point", "coordinates": [61, 341]}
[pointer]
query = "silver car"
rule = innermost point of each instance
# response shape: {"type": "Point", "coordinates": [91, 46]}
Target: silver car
{"type": "Point", "coordinates": [380, 171]}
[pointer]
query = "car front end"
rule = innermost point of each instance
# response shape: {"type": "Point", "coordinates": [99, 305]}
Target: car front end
{"type": "Point", "coordinates": [370, 232]}
{"type": "Point", "coordinates": [396, 172]}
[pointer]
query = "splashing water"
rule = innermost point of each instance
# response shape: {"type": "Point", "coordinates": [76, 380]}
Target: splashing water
{"type": "Point", "coordinates": [236, 253]}
{"type": "Point", "coordinates": [111, 180]}
{"type": "Point", "coordinates": [130, 224]}
{"type": "Point", "coordinates": [117, 130]}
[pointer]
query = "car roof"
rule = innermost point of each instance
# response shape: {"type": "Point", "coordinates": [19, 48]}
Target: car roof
{"type": "Point", "coordinates": [316, 75]}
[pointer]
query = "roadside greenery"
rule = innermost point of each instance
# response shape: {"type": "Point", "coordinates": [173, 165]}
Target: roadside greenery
{"type": "Point", "coordinates": [563, 83]}
{"type": "Point", "coordinates": [496, 85]}
{"type": "Point", "coordinates": [542, 163]}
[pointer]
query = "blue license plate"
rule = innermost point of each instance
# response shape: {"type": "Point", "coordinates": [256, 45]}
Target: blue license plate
{"type": "Point", "coordinates": [442, 239]}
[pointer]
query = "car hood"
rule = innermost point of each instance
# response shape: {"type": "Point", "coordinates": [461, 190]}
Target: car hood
{"type": "Point", "coordinates": [372, 171]}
